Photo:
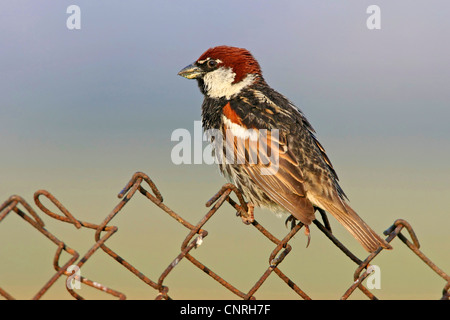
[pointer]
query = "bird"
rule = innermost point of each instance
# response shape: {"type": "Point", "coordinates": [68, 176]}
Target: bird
{"type": "Point", "coordinates": [257, 123]}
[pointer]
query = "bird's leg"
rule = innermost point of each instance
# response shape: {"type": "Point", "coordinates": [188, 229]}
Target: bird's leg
{"type": "Point", "coordinates": [249, 217]}
{"type": "Point", "coordinates": [324, 218]}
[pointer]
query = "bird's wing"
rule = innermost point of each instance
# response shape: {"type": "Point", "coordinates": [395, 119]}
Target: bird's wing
{"type": "Point", "coordinates": [304, 176]}
{"type": "Point", "coordinates": [267, 160]}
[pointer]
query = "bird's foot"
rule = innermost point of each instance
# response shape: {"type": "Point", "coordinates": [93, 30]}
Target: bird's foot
{"type": "Point", "coordinates": [308, 234]}
{"type": "Point", "coordinates": [292, 220]}
{"type": "Point", "coordinates": [248, 217]}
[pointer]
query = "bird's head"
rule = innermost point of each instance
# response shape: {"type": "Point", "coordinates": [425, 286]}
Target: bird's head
{"type": "Point", "coordinates": [223, 72]}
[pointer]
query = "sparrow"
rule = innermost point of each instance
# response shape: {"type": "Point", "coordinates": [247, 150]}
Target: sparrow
{"type": "Point", "coordinates": [259, 124]}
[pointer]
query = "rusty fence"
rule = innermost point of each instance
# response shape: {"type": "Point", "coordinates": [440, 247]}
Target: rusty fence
{"type": "Point", "coordinates": [195, 237]}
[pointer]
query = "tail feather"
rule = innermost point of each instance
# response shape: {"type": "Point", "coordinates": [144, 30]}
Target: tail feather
{"type": "Point", "coordinates": [357, 227]}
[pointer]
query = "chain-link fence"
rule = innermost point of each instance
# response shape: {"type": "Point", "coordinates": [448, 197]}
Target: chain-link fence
{"type": "Point", "coordinates": [195, 237]}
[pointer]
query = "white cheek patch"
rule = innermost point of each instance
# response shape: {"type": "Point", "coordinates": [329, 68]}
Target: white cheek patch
{"type": "Point", "coordinates": [219, 83]}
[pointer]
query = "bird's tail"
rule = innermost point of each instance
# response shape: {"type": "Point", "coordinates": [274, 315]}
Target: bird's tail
{"type": "Point", "coordinates": [357, 227]}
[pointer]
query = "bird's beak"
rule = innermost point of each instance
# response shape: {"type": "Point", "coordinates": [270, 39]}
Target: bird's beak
{"type": "Point", "coordinates": [191, 72]}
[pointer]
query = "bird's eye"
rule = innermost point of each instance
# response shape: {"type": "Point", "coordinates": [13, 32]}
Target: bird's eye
{"type": "Point", "coordinates": [212, 63]}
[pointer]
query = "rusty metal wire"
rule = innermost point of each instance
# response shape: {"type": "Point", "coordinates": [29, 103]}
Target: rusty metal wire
{"type": "Point", "coordinates": [194, 238]}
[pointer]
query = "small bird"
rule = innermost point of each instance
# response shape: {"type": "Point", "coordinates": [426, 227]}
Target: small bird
{"type": "Point", "coordinates": [240, 105]}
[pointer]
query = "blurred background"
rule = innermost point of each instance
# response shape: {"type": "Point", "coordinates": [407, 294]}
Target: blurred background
{"type": "Point", "coordinates": [82, 110]}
